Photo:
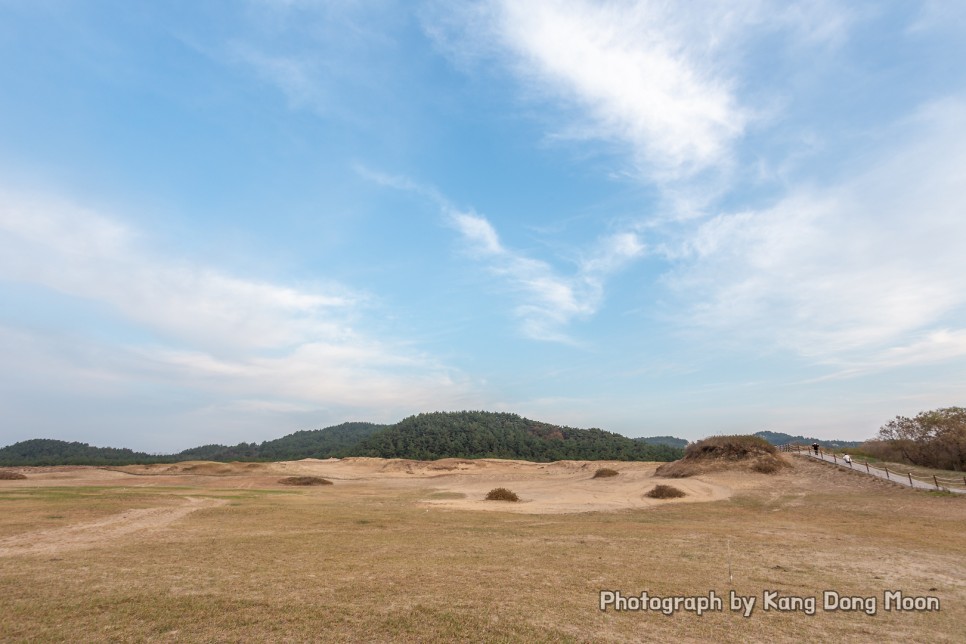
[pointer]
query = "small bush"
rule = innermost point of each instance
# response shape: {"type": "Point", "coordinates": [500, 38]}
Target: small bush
{"type": "Point", "coordinates": [304, 480]}
{"type": "Point", "coordinates": [501, 494]}
{"type": "Point", "coordinates": [11, 476]}
{"type": "Point", "coordinates": [664, 492]}
{"type": "Point", "coordinates": [604, 473]}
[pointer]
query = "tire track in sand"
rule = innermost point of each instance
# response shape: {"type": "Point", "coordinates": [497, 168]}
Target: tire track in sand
{"type": "Point", "coordinates": [103, 531]}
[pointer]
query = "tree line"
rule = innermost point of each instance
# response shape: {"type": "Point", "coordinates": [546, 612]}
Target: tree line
{"type": "Point", "coordinates": [467, 434]}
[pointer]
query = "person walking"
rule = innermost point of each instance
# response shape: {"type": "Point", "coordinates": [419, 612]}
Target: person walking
{"type": "Point", "coordinates": [815, 447]}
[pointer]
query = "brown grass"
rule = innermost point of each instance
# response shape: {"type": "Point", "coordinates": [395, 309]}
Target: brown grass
{"type": "Point", "coordinates": [6, 475]}
{"type": "Point", "coordinates": [501, 494]}
{"type": "Point", "coordinates": [664, 492]}
{"type": "Point", "coordinates": [368, 561]}
{"type": "Point", "coordinates": [725, 453]}
{"type": "Point", "coordinates": [304, 480]}
{"type": "Point", "coordinates": [605, 472]}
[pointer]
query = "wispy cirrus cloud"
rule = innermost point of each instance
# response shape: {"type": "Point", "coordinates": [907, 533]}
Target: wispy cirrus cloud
{"type": "Point", "coordinates": [662, 79]}
{"type": "Point", "coordinates": [548, 301]}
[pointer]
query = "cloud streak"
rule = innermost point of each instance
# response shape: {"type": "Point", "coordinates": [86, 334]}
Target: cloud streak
{"type": "Point", "coordinates": [548, 302]}
{"type": "Point", "coordinates": [232, 337]}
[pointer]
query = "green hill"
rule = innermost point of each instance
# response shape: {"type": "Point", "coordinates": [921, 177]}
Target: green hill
{"type": "Point", "coordinates": [46, 451]}
{"type": "Point", "coordinates": [466, 434]}
{"type": "Point", "coordinates": [478, 434]}
{"type": "Point", "coordinates": [337, 440]}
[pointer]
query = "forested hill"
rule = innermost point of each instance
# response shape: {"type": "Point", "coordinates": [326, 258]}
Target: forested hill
{"type": "Point", "coordinates": [47, 451]}
{"type": "Point", "coordinates": [468, 434]}
{"type": "Point", "coordinates": [335, 441]}
{"type": "Point", "coordinates": [478, 434]}
{"type": "Point", "coordinates": [317, 443]}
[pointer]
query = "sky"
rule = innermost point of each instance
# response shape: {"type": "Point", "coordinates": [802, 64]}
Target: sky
{"type": "Point", "coordinates": [229, 221]}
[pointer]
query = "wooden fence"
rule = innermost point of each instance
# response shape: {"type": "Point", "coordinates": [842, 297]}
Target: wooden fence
{"type": "Point", "coordinates": [917, 481]}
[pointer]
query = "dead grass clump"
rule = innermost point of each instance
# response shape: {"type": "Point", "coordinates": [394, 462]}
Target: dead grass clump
{"type": "Point", "coordinates": [725, 452]}
{"type": "Point", "coordinates": [605, 472]}
{"type": "Point", "coordinates": [664, 492]}
{"type": "Point", "coordinates": [11, 476]}
{"type": "Point", "coordinates": [304, 480]}
{"type": "Point", "coordinates": [501, 494]}
{"type": "Point", "coordinates": [765, 466]}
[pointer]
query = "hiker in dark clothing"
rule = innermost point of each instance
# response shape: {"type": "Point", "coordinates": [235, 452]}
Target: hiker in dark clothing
{"type": "Point", "coordinates": [815, 447]}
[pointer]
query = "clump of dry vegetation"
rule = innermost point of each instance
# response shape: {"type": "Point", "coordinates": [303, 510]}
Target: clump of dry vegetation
{"type": "Point", "coordinates": [725, 452]}
{"type": "Point", "coordinates": [605, 472]}
{"type": "Point", "coordinates": [501, 494]}
{"type": "Point", "coordinates": [11, 476]}
{"type": "Point", "coordinates": [304, 480]}
{"type": "Point", "coordinates": [664, 492]}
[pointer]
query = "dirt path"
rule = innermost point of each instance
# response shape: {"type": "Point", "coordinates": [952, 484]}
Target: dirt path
{"type": "Point", "coordinates": [103, 531]}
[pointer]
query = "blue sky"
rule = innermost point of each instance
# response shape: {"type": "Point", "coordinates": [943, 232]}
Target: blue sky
{"type": "Point", "coordinates": [227, 221]}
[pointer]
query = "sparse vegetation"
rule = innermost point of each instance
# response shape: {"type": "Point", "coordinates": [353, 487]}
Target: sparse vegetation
{"type": "Point", "coordinates": [6, 475]}
{"type": "Point", "coordinates": [304, 480]}
{"type": "Point", "coordinates": [502, 494]}
{"type": "Point", "coordinates": [352, 564]}
{"type": "Point", "coordinates": [725, 452]}
{"type": "Point", "coordinates": [605, 472]}
{"type": "Point", "coordinates": [664, 492]}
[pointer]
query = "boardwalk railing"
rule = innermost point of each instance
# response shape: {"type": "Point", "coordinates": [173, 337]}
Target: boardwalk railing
{"type": "Point", "coordinates": [917, 481]}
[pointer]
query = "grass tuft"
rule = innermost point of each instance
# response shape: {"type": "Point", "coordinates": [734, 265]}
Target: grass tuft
{"type": "Point", "coordinates": [304, 480]}
{"type": "Point", "coordinates": [664, 492]}
{"type": "Point", "coordinates": [501, 494]}
{"type": "Point", "coordinates": [605, 472]}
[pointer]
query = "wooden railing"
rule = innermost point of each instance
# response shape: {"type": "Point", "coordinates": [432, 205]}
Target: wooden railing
{"type": "Point", "coordinates": [916, 481]}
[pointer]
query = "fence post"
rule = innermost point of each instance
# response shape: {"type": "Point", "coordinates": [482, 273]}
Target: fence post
{"type": "Point", "coordinates": [936, 482]}
{"type": "Point", "coordinates": [910, 480]}
{"type": "Point", "coordinates": [887, 473]}
{"type": "Point", "coordinates": [870, 471]}
{"type": "Point", "coordinates": [834, 460]}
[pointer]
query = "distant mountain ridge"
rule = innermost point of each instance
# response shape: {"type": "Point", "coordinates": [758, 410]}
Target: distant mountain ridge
{"type": "Point", "coordinates": [467, 434]}
{"type": "Point", "coordinates": [778, 438]}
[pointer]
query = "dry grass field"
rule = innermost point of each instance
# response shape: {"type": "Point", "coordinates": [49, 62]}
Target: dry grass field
{"type": "Point", "coordinates": [407, 551]}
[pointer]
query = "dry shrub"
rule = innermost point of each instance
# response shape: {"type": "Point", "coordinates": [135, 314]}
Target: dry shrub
{"type": "Point", "coordinates": [605, 472]}
{"type": "Point", "coordinates": [725, 452]}
{"type": "Point", "coordinates": [11, 476]}
{"type": "Point", "coordinates": [765, 466]}
{"type": "Point", "coordinates": [664, 492]}
{"type": "Point", "coordinates": [501, 494]}
{"type": "Point", "coordinates": [304, 480]}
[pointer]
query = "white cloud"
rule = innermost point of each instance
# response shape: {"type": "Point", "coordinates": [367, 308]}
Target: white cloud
{"type": "Point", "coordinates": [629, 67]}
{"type": "Point", "coordinates": [226, 335]}
{"type": "Point", "coordinates": [849, 272]}
{"type": "Point", "coordinates": [548, 301]}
